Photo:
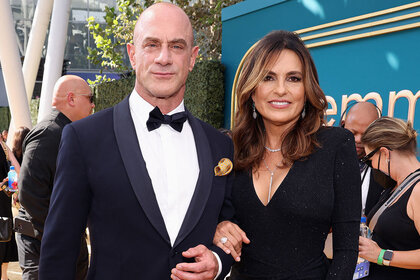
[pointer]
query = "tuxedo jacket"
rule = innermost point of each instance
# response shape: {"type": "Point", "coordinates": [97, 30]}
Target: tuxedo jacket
{"type": "Point", "coordinates": [102, 182]}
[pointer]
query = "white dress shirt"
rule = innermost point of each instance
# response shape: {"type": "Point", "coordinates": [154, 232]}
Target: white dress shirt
{"type": "Point", "coordinates": [365, 186]}
{"type": "Point", "coordinates": [171, 161]}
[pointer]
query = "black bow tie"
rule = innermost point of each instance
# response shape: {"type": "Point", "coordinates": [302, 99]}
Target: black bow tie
{"type": "Point", "coordinates": [156, 118]}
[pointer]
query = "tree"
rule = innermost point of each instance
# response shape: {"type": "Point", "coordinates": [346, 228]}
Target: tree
{"type": "Point", "coordinates": [112, 37]}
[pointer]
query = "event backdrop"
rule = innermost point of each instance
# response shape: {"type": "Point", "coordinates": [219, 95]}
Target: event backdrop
{"type": "Point", "coordinates": [362, 48]}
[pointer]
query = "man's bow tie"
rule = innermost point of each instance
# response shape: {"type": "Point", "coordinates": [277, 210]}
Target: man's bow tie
{"type": "Point", "coordinates": [156, 118]}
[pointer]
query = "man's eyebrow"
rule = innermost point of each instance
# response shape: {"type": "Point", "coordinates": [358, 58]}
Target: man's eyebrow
{"type": "Point", "coordinates": [151, 39]}
{"type": "Point", "coordinates": [178, 41]}
{"type": "Point", "coordinates": [174, 41]}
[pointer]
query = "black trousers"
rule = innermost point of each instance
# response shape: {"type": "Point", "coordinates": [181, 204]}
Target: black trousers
{"type": "Point", "coordinates": [29, 252]}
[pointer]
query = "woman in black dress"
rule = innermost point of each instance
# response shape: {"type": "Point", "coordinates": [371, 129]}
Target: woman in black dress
{"type": "Point", "coordinates": [295, 178]}
{"type": "Point", "coordinates": [394, 251]}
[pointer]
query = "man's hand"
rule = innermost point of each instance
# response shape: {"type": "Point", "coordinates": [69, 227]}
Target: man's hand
{"type": "Point", "coordinates": [204, 268]}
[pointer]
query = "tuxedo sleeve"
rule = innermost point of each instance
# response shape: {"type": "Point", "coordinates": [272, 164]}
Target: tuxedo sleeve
{"type": "Point", "coordinates": [69, 208]}
{"type": "Point", "coordinates": [226, 213]}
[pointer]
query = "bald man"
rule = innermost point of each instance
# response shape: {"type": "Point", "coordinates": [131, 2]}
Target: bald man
{"type": "Point", "coordinates": [358, 118]}
{"type": "Point", "coordinates": [142, 173]}
{"type": "Point", "coordinates": [72, 101]}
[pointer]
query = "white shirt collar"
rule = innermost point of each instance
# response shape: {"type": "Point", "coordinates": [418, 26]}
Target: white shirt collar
{"type": "Point", "coordinates": [142, 108]}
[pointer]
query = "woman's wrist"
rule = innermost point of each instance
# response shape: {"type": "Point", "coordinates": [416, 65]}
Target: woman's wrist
{"type": "Point", "coordinates": [380, 259]}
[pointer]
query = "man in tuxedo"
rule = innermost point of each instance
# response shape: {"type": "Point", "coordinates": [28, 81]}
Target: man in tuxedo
{"type": "Point", "coordinates": [72, 100]}
{"type": "Point", "coordinates": [143, 182]}
{"type": "Point", "coordinates": [358, 118]}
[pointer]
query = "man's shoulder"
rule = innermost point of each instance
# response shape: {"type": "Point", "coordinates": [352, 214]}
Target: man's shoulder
{"type": "Point", "coordinates": [213, 134]}
{"type": "Point", "coordinates": [47, 129]}
{"type": "Point", "coordinates": [99, 118]}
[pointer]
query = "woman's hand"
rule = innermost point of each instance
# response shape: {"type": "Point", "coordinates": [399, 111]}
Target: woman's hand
{"type": "Point", "coordinates": [368, 249]}
{"type": "Point", "coordinates": [233, 236]}
{"type": "Point", "coordinates": [3, 184]}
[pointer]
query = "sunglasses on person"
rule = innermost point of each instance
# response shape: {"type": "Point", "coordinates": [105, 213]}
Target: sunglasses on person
{"type": "Point", "coordinates": [367, 158]}
{"type": "Point", "coordinates": [89, 95]}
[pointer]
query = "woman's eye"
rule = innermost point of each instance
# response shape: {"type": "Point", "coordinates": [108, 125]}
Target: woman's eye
{"type": "Point", "coordinates": [268, 78]}
{"type": "Point", "coordinates": [295, 79]}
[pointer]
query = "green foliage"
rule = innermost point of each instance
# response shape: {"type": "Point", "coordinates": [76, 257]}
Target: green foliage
{"type": "Point", "coordinates": [110, 93]}
{"type": "Point", "coordinates": [99, 80]}
{"type": "Point", "coordinates": [34, 107]}
{"type": "Point", "coordinates": [206, 19]}
{"type": "Point", "coordinates": [4, 118]}
{"type": "Point", "coordinates": [204, 96]}
{"type": "Point", "coordinates": [112, 37]}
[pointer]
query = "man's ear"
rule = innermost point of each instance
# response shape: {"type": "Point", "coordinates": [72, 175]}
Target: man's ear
{"type": "Point", "coordinates": [194, 54]}
{"type": "Point", "coordinates": [131, 51]}
{"type": "Point", "coordinates": [70, 99]}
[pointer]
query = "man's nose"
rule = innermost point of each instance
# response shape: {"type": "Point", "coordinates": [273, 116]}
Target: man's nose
{"type": "Point", "coordinates": [164, 57]}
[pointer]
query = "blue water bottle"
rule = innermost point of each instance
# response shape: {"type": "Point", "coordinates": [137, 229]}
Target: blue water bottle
{"type": "Point", "coordinates": [13, 180]}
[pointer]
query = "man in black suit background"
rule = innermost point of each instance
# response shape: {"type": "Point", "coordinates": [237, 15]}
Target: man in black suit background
{"type": "Point", "coordinates": [72, 101]}
{"type": "Point", "coordinates": [143, 182]}
{"type": "Point", "coordinates": [358, 118]}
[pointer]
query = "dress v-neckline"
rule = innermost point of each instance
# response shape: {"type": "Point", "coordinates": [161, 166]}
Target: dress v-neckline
{"type": "Point", "coordinates": [274, 194]}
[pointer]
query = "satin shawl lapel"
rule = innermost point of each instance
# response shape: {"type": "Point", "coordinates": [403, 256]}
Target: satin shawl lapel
{"type": "Point", "coordinates": [135, 166]}
{"type": "Point", "coordinates": [204, 182]}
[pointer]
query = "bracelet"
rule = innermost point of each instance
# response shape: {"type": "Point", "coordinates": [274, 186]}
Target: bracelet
{"type": "Point", "coordinates": [381, 257]}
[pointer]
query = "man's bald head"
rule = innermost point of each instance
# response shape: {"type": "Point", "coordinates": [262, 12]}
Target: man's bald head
{"type": "Point", "coordinates": [66, 84]}
{"type": "Point", "coordinates": [164, 12]}
{"type": "Point", "coordinates": [71, 97]}
{"type": "Point", "coordinates": [364, 110]}
{"type": "Point", "coordinates": [162, 55]}
{"type": "Point", "coordinates": [358, 118]}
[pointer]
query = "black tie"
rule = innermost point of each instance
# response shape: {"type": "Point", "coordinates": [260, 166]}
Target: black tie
{"type": "Point", "coordinates": [156, 118]}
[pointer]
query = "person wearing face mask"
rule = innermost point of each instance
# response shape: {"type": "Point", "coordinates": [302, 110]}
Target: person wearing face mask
{"type": "Point", "coordinates": [360, 115]}
{"type": "Point", "coordinates": [394, 251]}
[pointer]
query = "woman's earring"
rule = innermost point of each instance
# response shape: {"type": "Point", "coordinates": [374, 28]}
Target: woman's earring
{"type": "Point", "coordinates": [303, 114]}
{"type": "Point", "coordinates": [254, 112]}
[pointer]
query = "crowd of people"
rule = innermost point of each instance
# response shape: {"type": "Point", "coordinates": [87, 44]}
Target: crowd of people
{"type": "Point", "coordinates": [165, 195]}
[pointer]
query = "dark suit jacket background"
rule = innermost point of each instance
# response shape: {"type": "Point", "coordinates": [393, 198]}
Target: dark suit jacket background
{"type": "Point", "coordinates": [36, 178]}
{"type": "Point", "coordinates": [102, 180]}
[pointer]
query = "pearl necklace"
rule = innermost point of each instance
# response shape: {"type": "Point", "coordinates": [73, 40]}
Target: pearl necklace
{"type": "Point", "coordinates": [272, 150]}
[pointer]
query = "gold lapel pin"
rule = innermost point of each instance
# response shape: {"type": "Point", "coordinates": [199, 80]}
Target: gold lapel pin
{"type": "Point", "coordinates": [224, 167]}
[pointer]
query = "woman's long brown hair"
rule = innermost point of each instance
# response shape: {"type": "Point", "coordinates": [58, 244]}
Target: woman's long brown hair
{"type": "Point", "coordinates": [299, 141]}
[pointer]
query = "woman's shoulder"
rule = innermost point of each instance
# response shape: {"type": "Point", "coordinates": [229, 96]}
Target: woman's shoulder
{"type": "Point", "coordinates": [332, 133]}
{"type": "Point", "coordinates": [334, 136]}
